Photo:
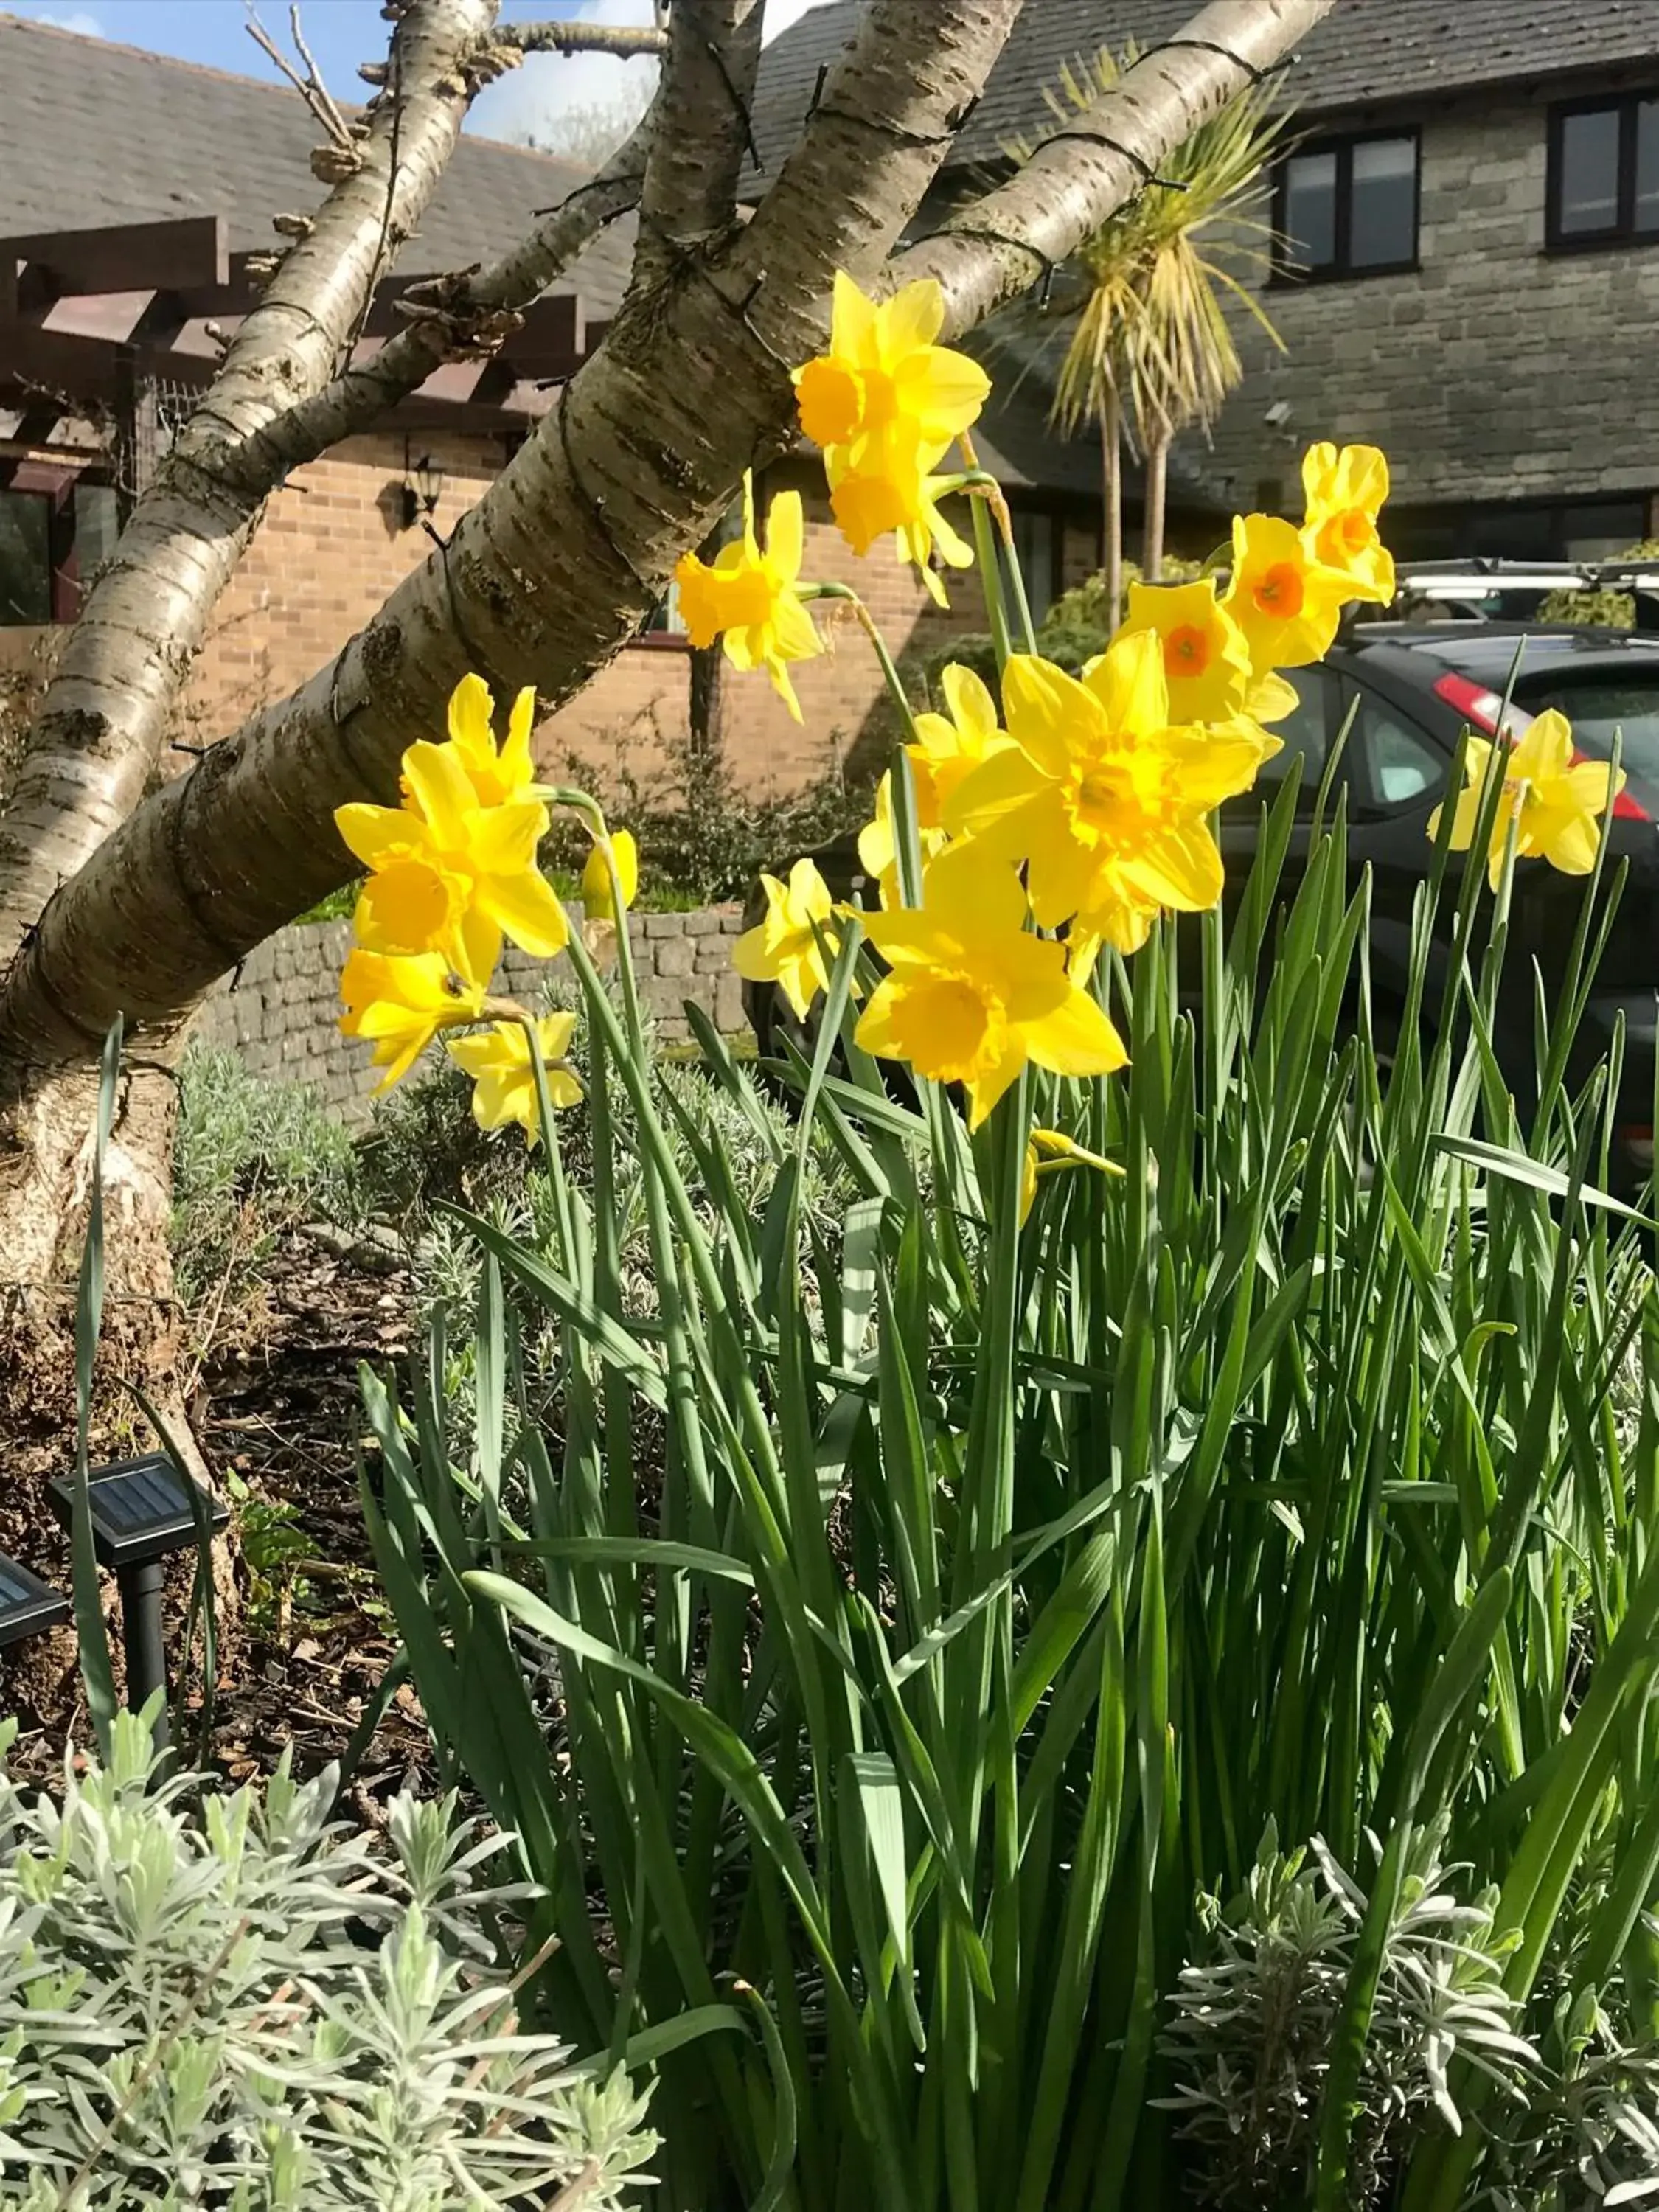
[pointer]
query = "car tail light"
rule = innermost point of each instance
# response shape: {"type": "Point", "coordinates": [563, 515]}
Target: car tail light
{"type": "Point", "coordinates": [1484, 711]}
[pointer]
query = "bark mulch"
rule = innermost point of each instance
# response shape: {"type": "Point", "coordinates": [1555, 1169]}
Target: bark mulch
{"type": "Point", "coordinates": [277, 1412]}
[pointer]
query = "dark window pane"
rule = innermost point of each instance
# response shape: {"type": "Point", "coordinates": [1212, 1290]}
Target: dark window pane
{"type": "Point", "coordinates": [25, 560]}
{"type": "Point", "coordinates": [1602, 708]}
{"type": "Point", "coordinates": [1310, 210]}
{"type": "Point", "coordinates": [1400, 764]}
{"type": "Point", "coordinates": [1383, 220]}
{"type": "Point", "coordinates": [1034, 546]}
{"type": "Point", "coordinates": [97, 528]}
{"type": "Point", "coordinates": [1647, 166]}
{"type": "Point", "coordinates": [1589, 183]}
{"type": "Point", "coordinates": [1304, 735]}
{"type": "Point", "coordinates": [1590, 530]}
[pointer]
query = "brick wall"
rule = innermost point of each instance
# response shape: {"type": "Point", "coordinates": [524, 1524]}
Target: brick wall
{"type": "Point", "coordinates": [281, 1013]}
{"type": "Point", "coordinates": [1494, 371]}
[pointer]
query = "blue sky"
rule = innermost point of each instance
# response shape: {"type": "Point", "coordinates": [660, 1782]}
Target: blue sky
{"type": "Point", "coordinates": [343, 33]}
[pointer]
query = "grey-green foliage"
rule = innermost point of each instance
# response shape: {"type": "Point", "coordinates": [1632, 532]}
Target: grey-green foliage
{"type": "Point", "coordinates": [251, 1160]}
{"type": "Point", "coordinates": [1254, 2018]}
{"type": "Point", "coordinates": [1587, 2136]}
{"type": "Point", "coordinates": [238, 2005]}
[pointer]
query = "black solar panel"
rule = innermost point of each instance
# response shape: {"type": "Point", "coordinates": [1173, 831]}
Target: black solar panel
{"type": "Point", "coordinates": [141, 1508]}
{"type": "Point", "coordinates": [26, 1602]}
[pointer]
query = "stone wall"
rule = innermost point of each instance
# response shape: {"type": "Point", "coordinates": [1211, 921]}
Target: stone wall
{"type": "Point", "coordinates": [1494, 370]}
{"type": "Point", "coordinates": [281, 1012]}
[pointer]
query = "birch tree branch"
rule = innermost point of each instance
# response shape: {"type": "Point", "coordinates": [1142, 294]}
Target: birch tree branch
{"type": "Point", "coordinates": [548, 574]}
{"type": "Point", "coordinates": [582, 37]}
{"type": "Point", "coordinates": [690, 193]}
{"type": "Point", "coordinates": [470, 314]}
{"type": "Point", "coordinates": [105, 715]}
{"type": "Point", "coordinates": [1000, 246]}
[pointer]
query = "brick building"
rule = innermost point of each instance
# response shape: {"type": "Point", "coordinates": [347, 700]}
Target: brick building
{"type": "Point", "coordinates": [1470, 271]}
{"type": "Point", "coordinates": [133, 190]}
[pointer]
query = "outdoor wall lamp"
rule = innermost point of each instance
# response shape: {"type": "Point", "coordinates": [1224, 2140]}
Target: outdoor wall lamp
{"type": "Point", "coordinates": [141, 1511]}
{"type": "Point", "coordinates": [422, 487]}
{"type": "Point", "coordinates": [27, 1604]}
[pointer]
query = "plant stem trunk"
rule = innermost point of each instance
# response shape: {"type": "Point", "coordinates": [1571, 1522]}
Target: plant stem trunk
{"type": "Point", "coordinates": [1157, 477]}
{"type": "Point", "coordinates": [1111, 458]}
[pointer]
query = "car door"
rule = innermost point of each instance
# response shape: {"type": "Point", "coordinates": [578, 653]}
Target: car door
{"type": "Point", "coordinates": [1305, 737]}
{"type": "Point", "coordinates": [1398, 771]}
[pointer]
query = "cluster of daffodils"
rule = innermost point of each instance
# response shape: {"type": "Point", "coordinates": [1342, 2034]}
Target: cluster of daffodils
{"type": "Point", "coordinates": [1066, 816]}
{"type": "Point", "coordinates": [452, 876]}
{"type": "Point", "coordinates": [1048, 823]}
{"type": "Point", "coordinates": [885, 404]}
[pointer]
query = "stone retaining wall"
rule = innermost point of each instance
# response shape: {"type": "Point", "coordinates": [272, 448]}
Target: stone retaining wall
{"type": "Point", "coordinates": [281, 1012]}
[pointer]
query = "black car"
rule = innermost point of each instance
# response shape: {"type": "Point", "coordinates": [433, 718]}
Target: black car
{"type": "Point", "coordinates": [1412, 687]}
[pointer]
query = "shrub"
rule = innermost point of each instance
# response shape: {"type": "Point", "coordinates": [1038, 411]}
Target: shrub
{"type": "Point", "coordinates": [251, 1160]}
{"type": "Point", "coordinates": [244, 2008]}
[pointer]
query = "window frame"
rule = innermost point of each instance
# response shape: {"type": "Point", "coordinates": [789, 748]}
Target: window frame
{"type": "Point", "coordinates": [1622, 231]}
{"type": "Point", "coordinates": [1340, 270]}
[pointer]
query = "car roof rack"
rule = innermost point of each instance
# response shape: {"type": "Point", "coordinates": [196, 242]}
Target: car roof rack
{"type": "Point", "coordinates": [1483, 587]}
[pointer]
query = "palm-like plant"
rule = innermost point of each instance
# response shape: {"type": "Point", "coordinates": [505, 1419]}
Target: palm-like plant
{"type": "Point", "coordinates": [1148, 348]}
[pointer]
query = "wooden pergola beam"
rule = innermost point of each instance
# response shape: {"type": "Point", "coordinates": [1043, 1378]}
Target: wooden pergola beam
{"type": "Point", "coordinates": [36, 269]}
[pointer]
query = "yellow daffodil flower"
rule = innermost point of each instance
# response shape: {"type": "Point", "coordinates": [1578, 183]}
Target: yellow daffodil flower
{"type": "Point", "coordinates": [878, 839]}
{"type": "Point", "coordinates": [748, 596]}
{"type": "Point", "coordinates": [948, 747]}
{"type": "Point", "coordinates": [402, 1004]}
{"type": "Point", "coordinates": [885, 392]}
{"type": "Point", "coordinates": [783, 949]}
{"type": "Point", "coordinates": [868, 504]}
{"type": "Point", "coordinates": [1554, 800]}
{"type": "Point", "coordinates": [596, 876]}
{"type": "Point", "coordinates": [1270, 698]}
{"type": "Point", "coordinates": [971, 995]}
{"type": "Point", "coordinates": [1099, 794]}
{"type": "Point", "coordinates": [885, 403]}
{"type": "Point", "coordinates": [1344, 491]}
{"type": "Point", "coordinates": [498, 774]}
{"type": "Point", "coordinates": [1285, 602]}
{"type": "Point", "coordinates": [1050, 1151]}
{"type": "Point", "coordinates": [1206, 663]}
{"type": "Point", "coordinates": [503, 1073]}
{"type": "Point", "coordinates": [418, 853]}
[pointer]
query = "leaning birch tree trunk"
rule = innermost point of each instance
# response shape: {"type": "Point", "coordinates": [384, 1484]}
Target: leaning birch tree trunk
{"type": "Point", "coordinates": [554, 568]}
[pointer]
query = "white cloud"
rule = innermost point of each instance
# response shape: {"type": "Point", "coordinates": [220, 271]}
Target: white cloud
{"type": "Point", "coordinates": [87, 25]}
{"type": "Point", "coordinates": [528, 102]}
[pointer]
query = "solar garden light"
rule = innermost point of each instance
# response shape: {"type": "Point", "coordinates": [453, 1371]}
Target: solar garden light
{"type": "Point", "coordinates": [142, 1511]}
{"type": "Point", "coordinates": [27, 1604]}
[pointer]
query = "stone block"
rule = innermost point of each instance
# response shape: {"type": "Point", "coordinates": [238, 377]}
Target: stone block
{"type": "Point", "coordinates": [729, 1017]}
{"type": "Point", "coordinates": [662, 994]}
{"type": "Point", "coordinates": [675, 956]}
{"type": "Point", "coordinates": [731, 920]}
{"type": "Point", "coordinates": [713, 956]}
{"type": "Point", "coordinates": [704, 923]}
{"type": "Point", "coordinates": [662, 925]}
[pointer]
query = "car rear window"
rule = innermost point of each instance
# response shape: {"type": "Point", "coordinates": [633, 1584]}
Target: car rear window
{"type": "Point", "coordinates": [1601, 708]}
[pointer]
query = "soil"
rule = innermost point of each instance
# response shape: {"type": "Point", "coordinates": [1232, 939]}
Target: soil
{"type": "Point", "coordinates": [277, 1412]}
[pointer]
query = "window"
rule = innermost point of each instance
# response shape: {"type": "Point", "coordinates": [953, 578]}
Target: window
{"type": "Point", "coordinates": [1305, 736]}
{"type": "Point", "coordinates": [56, 531]}
{"type": "Point", "coordinates": [25, 560]}
{"type": "Point", "coordinates": [1392, 763]}
{"type": "Point", "coordinates": [1604, 172]}
{"type": "Point", "coordinates": [1347, 209]}
{"type": "Point", "coordinates": [1036, 548]}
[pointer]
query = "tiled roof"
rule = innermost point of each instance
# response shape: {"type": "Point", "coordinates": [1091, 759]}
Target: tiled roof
{"type": "Point", "coordinates": [1364, 52]}
{"type": "Point", "coordinates": [94, 133]}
